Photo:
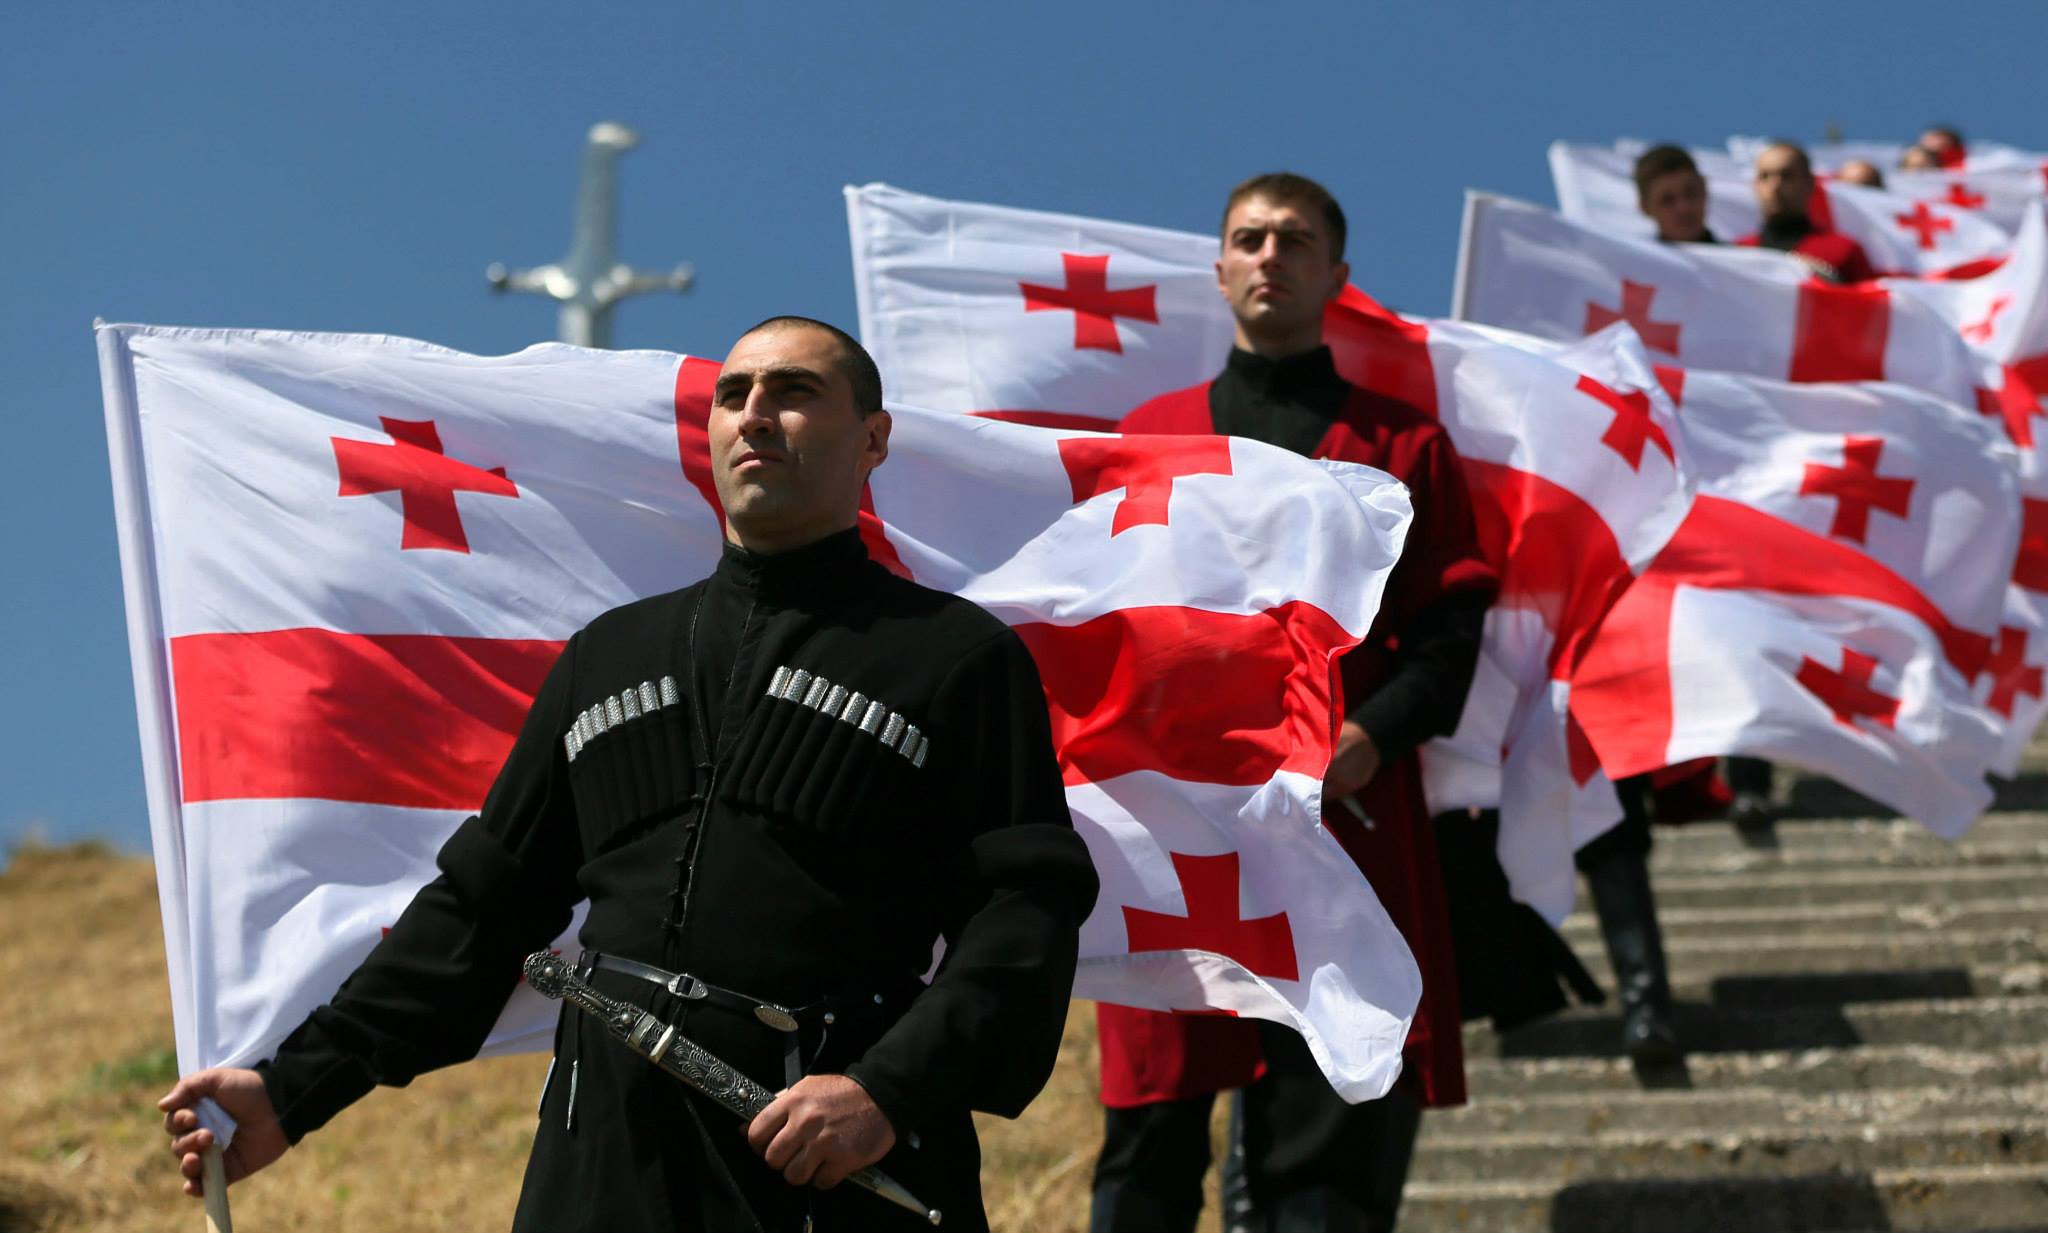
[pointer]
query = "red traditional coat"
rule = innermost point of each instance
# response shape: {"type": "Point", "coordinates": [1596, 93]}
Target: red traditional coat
{"type": "Point", "coordinates": [1148, 1056]}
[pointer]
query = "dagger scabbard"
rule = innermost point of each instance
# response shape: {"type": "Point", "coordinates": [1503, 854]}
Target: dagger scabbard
{"type": "Point", "coordinates": [549, 975]}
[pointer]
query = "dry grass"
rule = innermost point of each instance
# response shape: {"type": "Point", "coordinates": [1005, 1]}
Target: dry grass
{"type": "Point", "coordinates": [86, 1051]}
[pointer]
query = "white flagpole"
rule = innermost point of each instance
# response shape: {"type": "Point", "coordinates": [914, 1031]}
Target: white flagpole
{"type": "Point", "coordinates": [214, 1176]}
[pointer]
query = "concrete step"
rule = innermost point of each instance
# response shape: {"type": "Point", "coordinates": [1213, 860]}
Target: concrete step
{"type": "Point", "coordinates": [1947, 1198]}
{"type": "Point", "coordinates": [1745, 1151]}
{"type": "Point", "coordinates": [1793, 1071]}
{"type": "Point", "coordinates": [1801, 969]}
{"type": "Point", "coordinates": [1765, 887]}
{"type": "Point", "coordinates": [1728, 1110]}
{"type": "Point", "coordinates": [1708, 839]}
{"type": "Point", "coordinates": [1873, 917]}
{"type": "Point", "coordinates": [1796, 851]}
{"type": "Point", "coordinates": [1963, 1023]}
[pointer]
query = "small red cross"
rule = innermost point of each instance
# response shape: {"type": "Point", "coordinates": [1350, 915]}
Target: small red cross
{"type": "Point", "coordinates": [1094, 305]}
{"type": "Point", "coordinates": [2011, 675]}
{"type": "Point", "coordinates": [2018, 399]}
{"type": "Point", "coordinates": [1635, 309]}
{"type": "Point", "coordinates": [1264, 946]}
{"type": "Point", "coordinates": [1144, 467]}
{"type": "Point", "coordinates": [425, 478]}
{"type": "Point", "coordinates": [1848, 693]}
{"type": "Point", "coordinates": [1924, 223]}
{"type": "Point", "coordinates": [1980, 331]}
{"type": "Point", "coordinates": [1959, 195]}
{"type": "Point", "coordinates": [1857, 487]}
{"type": "Point", "coordinates": [1632, 424]}
{"type": "Point", "coordinates": [2030, 566]}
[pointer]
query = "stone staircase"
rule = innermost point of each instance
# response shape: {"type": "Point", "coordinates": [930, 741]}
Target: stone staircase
{"type": "Point", "coordinates": [1866, 1013]}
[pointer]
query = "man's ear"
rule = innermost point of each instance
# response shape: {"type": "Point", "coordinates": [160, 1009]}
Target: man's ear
{"type": "Point", "coordinates": [1220, 288]}
{"type": "Point", "coordinates": [1340, 277]}
{"type": "Point", "coordinates": [876, 449]}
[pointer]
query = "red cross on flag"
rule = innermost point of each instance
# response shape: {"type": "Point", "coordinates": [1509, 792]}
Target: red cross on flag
{"type": "Point", "coordinates": [322, 700]}
{"type": "Point", "coordinates": [1900, 233]}
{"type": "Point", "coordinates": [1737, 310]}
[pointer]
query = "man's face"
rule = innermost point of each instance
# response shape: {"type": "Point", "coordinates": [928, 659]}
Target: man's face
{"type": "Point", "coordinates": [1938, 143]}
{"type": "Point", "coordinates": [1275, 271]}
{"type": "Point", "coordinates": [1918, 158]}
{"type": "Point", "coordinates": [1783, 184]}
{"type": "Point", "coordinates": [789, 450]}
{"type": "Point", "coordinates": [1861, 171]}
{"type": "Point", "coordinates": [1677, 202]}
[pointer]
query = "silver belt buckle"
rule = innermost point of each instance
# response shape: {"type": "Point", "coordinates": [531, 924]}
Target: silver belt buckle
{"type": "Point", "coordinates": [684, 985]}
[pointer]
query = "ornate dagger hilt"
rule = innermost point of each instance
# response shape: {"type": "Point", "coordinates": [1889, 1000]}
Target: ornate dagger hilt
{"type": "Point", "coordinates": [549, 975]}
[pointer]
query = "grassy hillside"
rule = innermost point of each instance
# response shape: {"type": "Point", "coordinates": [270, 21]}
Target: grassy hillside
{"type": "Point", "coordinates": [86, 1051]}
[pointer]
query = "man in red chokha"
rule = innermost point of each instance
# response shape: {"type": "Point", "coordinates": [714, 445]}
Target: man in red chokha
{"type": "Point", "coordinates": [1784, 184]}
{"type": "Point", "coordinates": [1311, 1161]}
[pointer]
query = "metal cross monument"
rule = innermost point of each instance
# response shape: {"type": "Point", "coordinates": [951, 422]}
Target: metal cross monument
{"type": "Point", "coordinates": [591, 280]}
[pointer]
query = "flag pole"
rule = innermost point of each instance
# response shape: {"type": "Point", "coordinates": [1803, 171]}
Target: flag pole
{"type": "Point", "coordinates": [214, 1177]}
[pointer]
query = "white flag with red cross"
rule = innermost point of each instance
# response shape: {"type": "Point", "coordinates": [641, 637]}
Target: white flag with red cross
{"type": "Point", "coordinates": [1565, 523]}
{"type": "Point", "coordinates": [1751, 635]}
{"type": "Point", "coordinates": [1736, 310]}
{"type": "Point", "coordinates": [350, 560]}
{"type": "Point", "coordinates": [1829, 156]}
{"type": "Point", "coordinates": [1899, 233]}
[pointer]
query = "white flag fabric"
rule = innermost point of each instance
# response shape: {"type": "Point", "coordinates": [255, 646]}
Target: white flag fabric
{"type": "Point", "coordinates": [1828, 156]}
{"type": "Point", "coordinates": [1900, 234]}
{"type": "Point", "coordinates": [1751, 635]}
{"type": "Point", "coordinates": [1549, 463]}
{"type": "Point", "coordinates": [1703, 306]}
{"type": "Point", "coordinates": [350, 560]}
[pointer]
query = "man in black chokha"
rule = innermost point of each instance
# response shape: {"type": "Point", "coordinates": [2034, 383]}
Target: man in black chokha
{"type": "Point", "coordinates": [784, 784]}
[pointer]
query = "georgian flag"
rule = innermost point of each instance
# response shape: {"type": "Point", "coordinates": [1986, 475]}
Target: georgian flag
{"type": "Point", "coordinates": [1828, 156]}
{"type": "Point", "coordinates": [1575, 485]}
{"type": "Point", "coordinates": [350, 560]}
{"type": "Point", "coordinates": [1738, 310]}
{"type": "Point", "coordinates": [1901, 235]}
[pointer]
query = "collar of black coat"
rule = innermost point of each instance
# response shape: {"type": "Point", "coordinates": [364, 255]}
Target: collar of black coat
{"type": "Point", "coordinates": [821, 568]}
{"type": "Point", "coordinates": [1308, 377]}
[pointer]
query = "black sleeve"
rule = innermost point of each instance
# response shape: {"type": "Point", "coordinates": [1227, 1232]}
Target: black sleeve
{"type": "Point", "coordinates": [429, 992]}
{"type": "Point", "coordinates": [1425, 695]}
{"type": "Point", "coordinates": [986, 1032]}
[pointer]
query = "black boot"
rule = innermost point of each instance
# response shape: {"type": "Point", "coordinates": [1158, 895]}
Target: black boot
{"type": "Point", "coordinates": [1620, 882]}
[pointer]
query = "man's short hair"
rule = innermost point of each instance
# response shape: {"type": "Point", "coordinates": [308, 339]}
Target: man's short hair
{"type": "Point", "coordinates": [1291, 189]}
{"type": "Point", "coordinates": [1786, 143]}
{"type": "Point", "coordinates": [1954, 135]}
{"type": "Point", "coordinates": [1657, 162]}
{"type": "Point", "coordinates": [854, 360]}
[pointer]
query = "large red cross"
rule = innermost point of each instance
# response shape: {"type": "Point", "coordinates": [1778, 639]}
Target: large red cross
{"type": "Point", "coordinates": [2018, 399]}
{"type": "Point", "coordinates": [1857, 488]}
{"type": "Point", "coordinates": [1980, 331]}
{"type": "Point", "coordinates": [2011, 674]}
{"type": "Point", "coordinates": [1094, 305]}
{"type": "Point", "coordinates": [1848, 693]}
{"type": "Point", "coordinates": [425, 479]}
{"type": "Point", "coordinates": [1960, 196]}
{"type": "Point", "coordinates": [1635, 309]}
{"type": "Point", "coordinates": [1264, 946]}
{"type": "Point", "coordinates": [1144, 467]}
{"type": "Point", "coordinates": [1924, 223]}
{"type": "Point", "coordinates": [1632, 424]}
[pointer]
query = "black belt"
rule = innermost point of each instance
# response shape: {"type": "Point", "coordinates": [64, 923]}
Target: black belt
{"type": "Point", "coordinates": [787, 1020]}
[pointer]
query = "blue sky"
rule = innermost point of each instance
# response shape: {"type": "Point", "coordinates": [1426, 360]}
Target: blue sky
{"type": "Point", "coordinates": [355, 167]}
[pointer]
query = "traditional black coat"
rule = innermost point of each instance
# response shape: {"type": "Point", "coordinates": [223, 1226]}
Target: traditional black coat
{"type": "Point", "coordinates": [842, 839]}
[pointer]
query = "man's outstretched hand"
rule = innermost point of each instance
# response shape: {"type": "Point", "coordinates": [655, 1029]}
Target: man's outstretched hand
{"type": "Point", "coordinates": [819, 1131]}
{"type": "Point", "coordinates": [259, 1137]}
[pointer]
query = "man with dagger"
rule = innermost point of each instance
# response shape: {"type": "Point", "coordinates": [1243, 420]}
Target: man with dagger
{"type": "Point", "coordinates": [779, 789]}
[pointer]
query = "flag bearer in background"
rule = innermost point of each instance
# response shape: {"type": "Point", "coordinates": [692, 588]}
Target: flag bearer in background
{"type": "Point", "coordinates": [1784, 188]}
{"type": "Point", "coordinates": [791, 778]}
{"type": "Point", "coordinates": [1311, 1161]}
{"type": "Point", "coordinates": [1673, 195]}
